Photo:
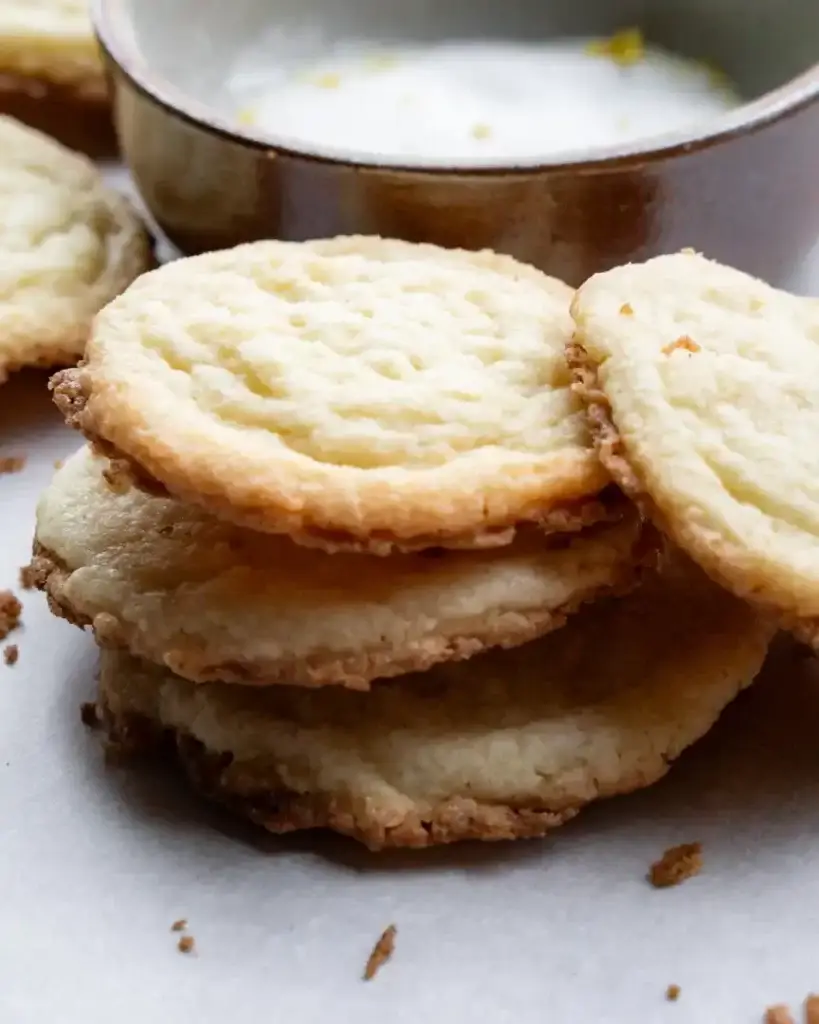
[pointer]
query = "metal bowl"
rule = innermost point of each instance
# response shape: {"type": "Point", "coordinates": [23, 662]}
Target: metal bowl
{"type": "Point", "coordinates": [744, 191]}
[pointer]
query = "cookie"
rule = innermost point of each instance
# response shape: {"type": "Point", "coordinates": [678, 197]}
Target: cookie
{"type": "Point", "coordinates": [356, 393]}
{"type": "Point", "coordinates": [702, 387]}
{"type": "Point", "coordinates": [51, 72]}
{"type": "Point", "coordinates": [68, 245]}
{"type": "Point", "coordinates": [507, 745]}
{"type": "Point", "coordinates": [211, 600]}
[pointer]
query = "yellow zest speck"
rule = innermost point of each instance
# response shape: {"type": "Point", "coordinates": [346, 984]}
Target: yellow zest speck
{"type": "Point", "coordinates": [380, 62]}
{"type": "Point", "coordinates": [247, 116]}
{"type": "Point", "coordinates": [481, 131]}
{"type": "Point", "coordinates": [717, 78]}
{"type": "Point", "coordinates": [626, 310]}
{"type": "Point", "coordinates": [328, 80]}
{"type": "Point", "coordinates": [624, 48]}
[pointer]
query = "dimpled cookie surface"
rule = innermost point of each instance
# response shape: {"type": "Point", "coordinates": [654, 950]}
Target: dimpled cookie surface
{"type": "Point", "coordinates": [702, 386]}
{"type": "Point", "coordinates": [356, 391]}
{"type": "Point", "coordinates": [68, 245]}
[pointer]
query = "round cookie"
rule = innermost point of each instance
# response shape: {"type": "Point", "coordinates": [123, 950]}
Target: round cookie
{"type": "Point", "coordinates": [702, 387]}
{"type": "Point", "coordinates": [507, 745]}
{"type": "Point", "coordinates": [214, 601]}
{"type": "Point", "coordinates": [68, 245]}
{"type": "Point", "coordinates": [51, 72]}
{"type": "Point", "coordinates": [354, 393]}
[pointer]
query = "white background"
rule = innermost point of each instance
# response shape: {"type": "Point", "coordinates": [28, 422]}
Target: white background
{"type": "Point", "coordinates": [96, 863]}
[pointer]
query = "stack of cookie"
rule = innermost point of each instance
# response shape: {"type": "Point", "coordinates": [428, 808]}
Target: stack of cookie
{"type": "Point", "coordinates": [342, 536]}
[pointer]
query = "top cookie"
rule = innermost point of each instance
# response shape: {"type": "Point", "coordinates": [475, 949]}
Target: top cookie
{"type": "Point", "coordinates": [68, 245]}
{"type": "Point", "coordinates": [353, 393]}
{"type": "Point", "coordinates": [51, 40]}
{"type": "Point", "coordinates": [702, 386]}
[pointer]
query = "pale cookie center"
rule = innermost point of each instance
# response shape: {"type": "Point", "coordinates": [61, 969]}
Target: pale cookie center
{"type": "Point", "coordinates": [355, 362]}
{"type": "Point", "coordinates": [52, 233]}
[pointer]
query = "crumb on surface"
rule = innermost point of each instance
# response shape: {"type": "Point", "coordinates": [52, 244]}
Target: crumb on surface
{"type": "Point", "coordinates": [382, 951]}
{"type": "Point", "coordinates": [180, 925]}
{"type": "Point", "coordinates": [10, 654]}
{"type": "Point", "coordinates": [624, 48]}
{"type": "Point", "coordinates": [481, 131]}
{"type": "Point", "coordinates": [89, 714]}
{"type": "Point", "coordinates": [186, 944]}
{"type": "Point", "coordinates": [58, 463]}
{"type": "Point", "coordinates": [626, 309]}
{"type": "Point", "coordinates": [672, 993]}
{"type": "Point", "coordinates": [778, 1014]}
{"type": "Point", "coordinates": [11, 464]}
{"type": "Point", "coordinates": [683, 342]}
{"type": "Point", "coordinates": [10, 612]}
{"type": "Point", "coordinates": [28, 577]}
{"type": "Point", "coordinates": [812, 1009]}
{"type": "Point", "coordinates": [677, 864]}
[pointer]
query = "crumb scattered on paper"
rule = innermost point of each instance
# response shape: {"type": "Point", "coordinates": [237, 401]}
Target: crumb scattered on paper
{"type": "Point", "coordinates": [28, 577]}
{"type": "Point", "coordinates": [382, 951]}
{"type": "Point", "coordinates": [58, 463]}
{"type": "Point", "coordinates": [677, 864]}
{"type": "Point", "coordinates": [626, 310]}
{"type": "Point", "coordinates": [10, 612]}
{"type": "Point", "coordinates": [672, 993]}
{"type": "Point", "coordinates": [481, 131]}
{"type": "Point", "coordinates": [180, 925]}
{"type": "Point", "coordinates": [11, 464]}
{"type": "Point", "coordinates": [683, 342]}
{"type": "Point", "coordinates": [247, 116]}
{"type": "Point", "coordinates": [89, 714]}
{"type": "Point", "coordinates": [10, 654]}
{"type": "Point", "coordinates": [778, 1015]}
{"type": "Point", "coordinates": [186, 944]}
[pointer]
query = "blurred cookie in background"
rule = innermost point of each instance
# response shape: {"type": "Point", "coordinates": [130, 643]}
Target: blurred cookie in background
{"type": "Point", "coordinates": [51, 73]}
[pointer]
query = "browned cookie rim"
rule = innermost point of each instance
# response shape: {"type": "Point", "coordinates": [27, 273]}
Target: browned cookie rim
{"type": "Point", "coordinates": [354, 671]}
{"type": "Point", "coordinates": [72, 390]}
{"type": "Point", "coordinates": [612, 453]}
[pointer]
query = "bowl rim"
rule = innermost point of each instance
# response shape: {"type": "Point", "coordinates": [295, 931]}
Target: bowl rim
{"type": "Point", "coordinates": [111, 25]}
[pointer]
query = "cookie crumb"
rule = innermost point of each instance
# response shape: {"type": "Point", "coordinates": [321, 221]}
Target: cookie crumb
{"type": "Point", "coordinates": [10, 612]}
{"type": "Point", "coordinates": [683, 342]}
{"type": "Point", "coordinates": [28, 577]}
{"type": "Point", "coordinates": [89, 714]}
{"type": "Point", "coordinates": [58, 463]}
{"type": "Point", "coordinates": [481, 131]}
{"type": "Point", "coordinates": [382, 951]}
{"type": "Point", "coordinates": [10, 654]}
{"type": "Point", "coordinates": [180, 925]}
{"type": "Point", "coordinates": [186, 944]}
{"type": "Point", "coordinates": [626, 309]}
{"type": "Point", "coordinates": [11, 464]}
{"type": "Point", "coordinates": [677, 864]}
{"type": "Point", "coordinates": [672, 993]}
{"type": "Point", "coordinates": [778, 1015]}
{"type": "Point", "coordinates": [812, 1009]}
